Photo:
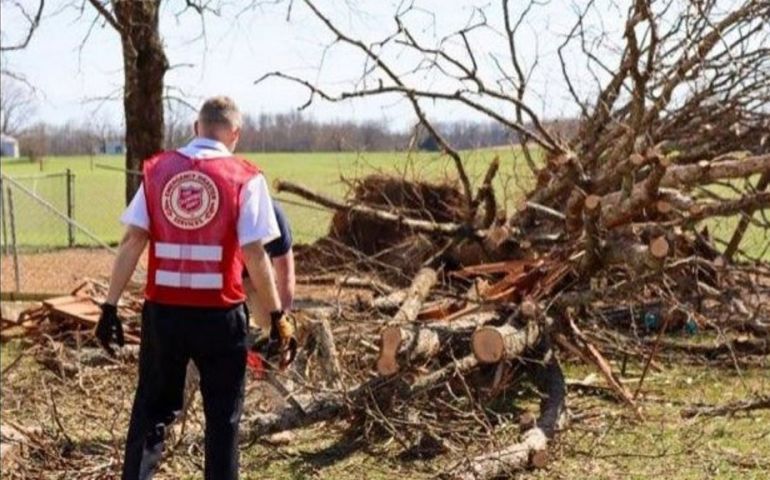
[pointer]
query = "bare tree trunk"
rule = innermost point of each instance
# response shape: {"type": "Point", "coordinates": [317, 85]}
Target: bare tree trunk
{"type": "Point", "coordinates": [144, 66]}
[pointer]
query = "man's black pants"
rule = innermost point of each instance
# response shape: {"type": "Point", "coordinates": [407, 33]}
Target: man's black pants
{"type": "Point", "coordinates": [215, 339]}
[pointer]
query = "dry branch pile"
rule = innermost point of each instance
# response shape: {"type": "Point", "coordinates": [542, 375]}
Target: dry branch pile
{"type": "Point", "coordinates": [609, 252]}
{"type": "Point", "coordinates": [607, 255]}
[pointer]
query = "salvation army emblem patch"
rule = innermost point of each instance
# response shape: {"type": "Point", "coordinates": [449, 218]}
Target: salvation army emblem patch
{"type": "Point", "coordinates": [190, 200]}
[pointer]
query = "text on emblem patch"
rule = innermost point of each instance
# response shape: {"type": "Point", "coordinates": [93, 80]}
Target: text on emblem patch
{"type": "Point", "coordinates": [190, 199]}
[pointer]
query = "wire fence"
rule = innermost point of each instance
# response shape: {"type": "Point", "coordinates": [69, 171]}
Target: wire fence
{"type": "Point", "coordinates": [56, 230]}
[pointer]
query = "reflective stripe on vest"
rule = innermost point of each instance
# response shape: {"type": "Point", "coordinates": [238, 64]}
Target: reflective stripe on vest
{"type": "Point", "coordinates": [168, 278]}
{"type": "Point", "coordinates": [179, 251]}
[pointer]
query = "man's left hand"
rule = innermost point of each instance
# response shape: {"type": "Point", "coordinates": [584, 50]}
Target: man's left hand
{"type": "Point", "coordinates": [283, 344]}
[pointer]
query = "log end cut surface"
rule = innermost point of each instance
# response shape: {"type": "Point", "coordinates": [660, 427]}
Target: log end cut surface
{"type": "Point", "coordinates": [488, 345]}
{"type": "Point", "coordinates": [387, 364]}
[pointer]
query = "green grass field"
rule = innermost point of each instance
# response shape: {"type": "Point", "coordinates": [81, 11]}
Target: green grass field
{"type": "Point", "coordinates": [99, 199]}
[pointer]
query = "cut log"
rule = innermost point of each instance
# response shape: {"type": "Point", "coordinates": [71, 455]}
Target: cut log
{"type": "Point", "coordinates": [316, 409]}
{"type": "Point", "coordinates": [746, 205]}
{"type": "Point", "coordinates": [494, 344]}
{"type": "Point", "coordinates": [426, 382]}
{"type": "Point", "coordinates": [709, 172]}
{"type": "Point", "coordinates": [531, 451]}
{"type": "Point", "coordinates": [659, 247]}
{"type": "Point", "coordinates": [327, 351]}
{"type": "Point", "coordinates": [663, 207]}
{"type": "Point", "coordinates": [608, 179]}
{"type": "Point", "coordinates": [390, 302]}
{"type": "Point", "coordinates": [617, 210]}
{"type": "Point", "coordinates": [391, 339]}
{"type": "Point", "coordinates": [574, 211]}
{"type": "Point", "coordinates": [675, 199]}
{"type": "Point", "coordinates": [327, 406]}
{"type": "Point", "coordinates": [640, 258]}
{"type": "Point", "coordinates": [392, 336]}
{"type": "Point", "coordinates": [416, 295]}
{"type": "Point", "coordinates": [592, 208]}
{"type": "Point", "coordinates": [401, 346]}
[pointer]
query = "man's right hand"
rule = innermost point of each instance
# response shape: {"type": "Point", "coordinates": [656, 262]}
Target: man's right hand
{"type": "Point", "coordinates": [109, 329]}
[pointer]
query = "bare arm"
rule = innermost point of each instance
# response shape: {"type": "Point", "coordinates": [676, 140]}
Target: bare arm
{"type": "Point", "coordinates": [285, 279]}
{"type": "Point", "coordinates": [261, 276]}
{"type": "Point", "coordinates": [130, 249]}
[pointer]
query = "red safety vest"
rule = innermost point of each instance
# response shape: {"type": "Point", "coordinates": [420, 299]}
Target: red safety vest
{"type": "Point", "coordinates": [193, 204]}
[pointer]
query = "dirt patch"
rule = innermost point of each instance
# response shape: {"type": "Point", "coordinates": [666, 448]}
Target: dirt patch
{"type": "Point", "coordinates": [57, 271]}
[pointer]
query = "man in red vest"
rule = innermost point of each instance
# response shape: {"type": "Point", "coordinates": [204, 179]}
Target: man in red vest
{"type": "Point", "coordinates": [205, 214]}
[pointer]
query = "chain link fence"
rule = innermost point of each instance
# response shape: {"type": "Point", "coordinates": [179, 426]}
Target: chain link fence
{"type": "Point", "coordinates": [58, 228]}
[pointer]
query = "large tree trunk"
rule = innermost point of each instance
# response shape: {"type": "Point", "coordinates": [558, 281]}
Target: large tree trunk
{"type": "Point", "coordinates": [144, 66]}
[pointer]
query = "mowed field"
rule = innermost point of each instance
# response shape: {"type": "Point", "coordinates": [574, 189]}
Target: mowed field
{"type": "Point", "coordinates": [99, 198]}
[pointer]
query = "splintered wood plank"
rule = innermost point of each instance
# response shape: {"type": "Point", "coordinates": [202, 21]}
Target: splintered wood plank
{"type": "Point", "coordinates": [63, 300]}
{"type": "Point", "coordinates": [441, 309]}
{"type": "Point", "coordinates": [84, 310]}
{"type": "Point", "coordinates": [510, 266]}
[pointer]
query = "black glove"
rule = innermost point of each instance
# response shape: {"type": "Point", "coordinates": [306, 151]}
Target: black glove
{"type": "Point", "coordinates": [282, 343]}
{"type": "Point", "coordinates": [109, 329]}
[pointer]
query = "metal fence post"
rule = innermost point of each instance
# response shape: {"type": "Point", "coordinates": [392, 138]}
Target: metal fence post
{"type": "Point", "coordinates": [70, 207]}
{"type": "Point", "coordinates": [12, 218]}
{"type": "Point", "coordinates": [3, 218]}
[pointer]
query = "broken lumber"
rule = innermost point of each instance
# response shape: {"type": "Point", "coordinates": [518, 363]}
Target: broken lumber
{"type": "Point", "coordinates": [81, 310]}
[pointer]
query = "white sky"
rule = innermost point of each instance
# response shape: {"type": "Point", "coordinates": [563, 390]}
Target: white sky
{"type": "Point", "coordinates": [238, 51]}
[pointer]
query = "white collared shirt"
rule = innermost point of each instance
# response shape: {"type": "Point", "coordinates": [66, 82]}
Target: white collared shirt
{"type": "Point", "coordinates": [256, 221]}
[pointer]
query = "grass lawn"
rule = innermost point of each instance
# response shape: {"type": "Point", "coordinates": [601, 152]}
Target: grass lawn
{"type": "Point", "coordinates": [98, 192]}
{"type": "Point", "coordinates": [603, 441]}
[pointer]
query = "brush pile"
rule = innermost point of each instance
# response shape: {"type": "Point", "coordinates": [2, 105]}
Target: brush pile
{"type": "Point", "coordinates": [609, 253]}
{"type": "Point", "coordinates": [610, 259]}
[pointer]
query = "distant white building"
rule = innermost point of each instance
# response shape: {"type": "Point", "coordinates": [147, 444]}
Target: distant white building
{"type": "Point", "coordinates": [9, 147]}
{"type": "Point", "coordinates": [114, 147]}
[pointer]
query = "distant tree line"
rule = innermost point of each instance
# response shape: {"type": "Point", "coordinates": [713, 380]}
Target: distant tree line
{"type": "Point", "coordinates": [290, 132]}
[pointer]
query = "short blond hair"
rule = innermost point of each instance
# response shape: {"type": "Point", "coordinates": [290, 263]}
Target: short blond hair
{"type": "Point", "coordinates": [220, 111]}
